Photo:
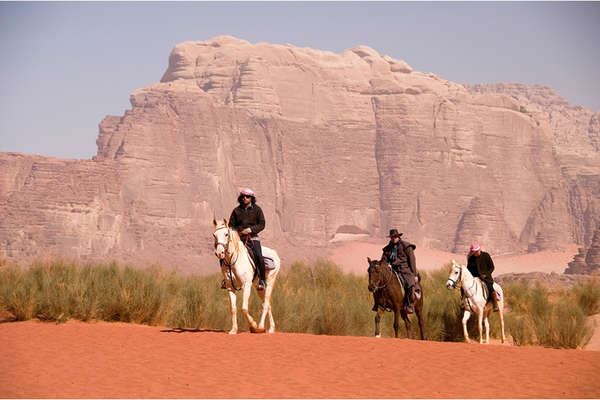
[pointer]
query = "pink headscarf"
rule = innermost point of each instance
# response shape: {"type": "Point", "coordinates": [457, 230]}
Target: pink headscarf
{"type": "Point", "coordinates": [474, 247]}
{"type": "Point", "coordinates": [247, 192]}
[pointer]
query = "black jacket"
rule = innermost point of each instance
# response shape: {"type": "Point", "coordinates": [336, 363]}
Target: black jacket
{"type": "Point", "coordinates": [405, 261]}
{"type": "Point", "coordinates": [251, 217]}
{"type": "Point", "coordinates": [481, 267]}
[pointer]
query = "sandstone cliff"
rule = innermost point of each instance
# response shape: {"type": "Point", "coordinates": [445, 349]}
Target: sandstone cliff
{"type": "Point", "coordinates": [587, 261]}
{"type": "Point", "coordinates": [336, 145]}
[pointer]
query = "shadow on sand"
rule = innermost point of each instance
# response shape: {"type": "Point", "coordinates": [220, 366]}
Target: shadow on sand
{"type": "Point", "coordinates": [182, 330]}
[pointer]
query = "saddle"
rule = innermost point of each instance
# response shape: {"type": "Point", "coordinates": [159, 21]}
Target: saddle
{"type": "Point", "coordinates": [488, 296]}
{"type": "Point", "coordinates": [417, 286]}
{"type": "Point", "coordinates": [467, 302]}
{"type": "Point", "coordinates": [269, 262]}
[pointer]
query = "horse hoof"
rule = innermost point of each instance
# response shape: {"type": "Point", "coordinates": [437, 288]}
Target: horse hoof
{"type": "Point", "coordinates": [378, 336]}
{"type": "Point", "coordinates": [257, 330]}
{"type": "Point", "coordinates": [232, 332]}
{"type": "Point", "coordinates": [271, 330]}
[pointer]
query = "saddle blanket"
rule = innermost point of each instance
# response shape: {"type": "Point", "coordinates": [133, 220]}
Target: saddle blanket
{"type": "Point", "coordinates": [269, 263]}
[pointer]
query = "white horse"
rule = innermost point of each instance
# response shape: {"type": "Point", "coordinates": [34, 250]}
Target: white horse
{"type": "Point", "coordinates": [475, 300]}
{"type": "Point", "coordinates": [238, 270]}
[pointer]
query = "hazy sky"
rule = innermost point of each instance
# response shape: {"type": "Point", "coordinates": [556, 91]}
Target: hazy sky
{"type": "Point", "coordinates": [65, 66]}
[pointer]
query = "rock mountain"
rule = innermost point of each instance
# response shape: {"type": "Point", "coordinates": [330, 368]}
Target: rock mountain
{"type": "Point", "coordinates": [336, 146]}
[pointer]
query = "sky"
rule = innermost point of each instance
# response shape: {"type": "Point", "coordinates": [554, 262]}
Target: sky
{"type": "Point", "coordinates": [64, 66]}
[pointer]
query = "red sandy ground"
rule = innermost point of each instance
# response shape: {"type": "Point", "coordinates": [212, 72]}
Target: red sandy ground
{"type": "Point", "coordinates": [123, 361]}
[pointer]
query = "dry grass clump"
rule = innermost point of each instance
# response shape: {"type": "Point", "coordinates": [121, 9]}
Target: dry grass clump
{"type": "Point", "coordinates": [317, 298]}
{"type": "Point", "coordinates": [555, 318]}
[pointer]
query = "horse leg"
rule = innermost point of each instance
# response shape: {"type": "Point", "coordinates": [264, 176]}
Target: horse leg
{"type": "Point", "coordinates": [271, 321]}
{"type": "Point", "coordinates": [465, 318]}
{"type": "Point", "coordinates": [396, 322]}
{"type": "Point", "coordinates": [246, 297]}
{"type": "Point", "coordinates": [406, 323]}
{"type": "Point", "coordinates": [378, 316]}
{"type": "Point", "coordinates": [233, 308]}
{"type": "Point", "coordinates": [487, 330]}
{"type": "Point", "coordinates": [480, 325]}
{"type": "Point", "coordinates": [271, 278]}
{"type": "Point", "coordinates": [265, 295]}
{"type": "Point", "coordinates": [418, 311]}
{"type": "Point", "coordinates": [263, 315]}
{"type": "Point", "coordinates": [501, 315]}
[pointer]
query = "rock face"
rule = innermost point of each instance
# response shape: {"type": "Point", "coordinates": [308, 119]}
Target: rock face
{"type": "Point", "coordinates": [587, 261]}
{"type": "Point", "coordinates": [335, 145]}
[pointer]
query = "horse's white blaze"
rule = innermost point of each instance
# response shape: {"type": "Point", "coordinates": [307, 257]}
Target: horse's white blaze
{"type": "Point", "coordinates": [230, 248]}
{"type": "Point", "coordinates": [475, 301]}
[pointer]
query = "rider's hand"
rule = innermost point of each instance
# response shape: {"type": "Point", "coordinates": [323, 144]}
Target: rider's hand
{"type": "Point", "coordinates": [416, 279]}
{"type": "Point", "coordinates": [246, 231]}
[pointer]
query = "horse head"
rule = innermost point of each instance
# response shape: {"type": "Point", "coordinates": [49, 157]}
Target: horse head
{"type": "Point", "coordinates": [455, 278]}
{"type": "Point", "coordinates": [222, 238]}
{"type": "Point", "coordinates": [376, 274]}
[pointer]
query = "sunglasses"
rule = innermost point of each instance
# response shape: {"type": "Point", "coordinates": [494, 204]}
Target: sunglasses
{"type": "Point", "coordinates": [245, 196]}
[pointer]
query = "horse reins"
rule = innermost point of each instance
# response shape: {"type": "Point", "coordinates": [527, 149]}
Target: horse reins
{"type": "Point", "coordinates": [467, 291]}
{"type": "Point", "coordinates": [457, 279]}
{"type": "Point", "coordinates": [230, 262]}
{"type": "Point", "coordinates": [377, 287]}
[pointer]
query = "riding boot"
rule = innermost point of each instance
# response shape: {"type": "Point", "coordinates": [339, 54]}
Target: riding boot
{"type": "Point", "coordinates": [408, 301]}
{"type": "Point", "coordinates": [495, 301]}
{"type": "Point", "coordinates": [259, 261]}
{"type": "Point", "coordinates": [409, 307]}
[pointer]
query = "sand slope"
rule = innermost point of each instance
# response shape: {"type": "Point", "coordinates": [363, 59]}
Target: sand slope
{"type": "Point", "coordinates": [122, 360]}
{"type": "Point", "coordinates": [352, 256]}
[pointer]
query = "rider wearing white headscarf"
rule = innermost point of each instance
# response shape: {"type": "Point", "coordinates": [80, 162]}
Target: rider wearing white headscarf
{"type": "Point", "coordinates": [248, 219]}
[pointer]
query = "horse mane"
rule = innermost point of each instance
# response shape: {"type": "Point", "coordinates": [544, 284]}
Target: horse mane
{"type": "Point", "coordinates": [235, 237]}
{"type": "Point", "coordinates": [466, 271]}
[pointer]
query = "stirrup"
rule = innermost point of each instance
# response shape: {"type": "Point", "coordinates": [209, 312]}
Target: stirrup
{"type": "Point", "coordinates": [224, 284]}
{"type": "Point", "coordinates": [261, 285]}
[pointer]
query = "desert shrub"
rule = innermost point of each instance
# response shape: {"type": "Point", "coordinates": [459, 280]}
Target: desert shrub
{"type": "Point", "coordinates": [318, 298]}
{"type": "Point", "coordinates": [321, 299]}
{"type": "Point", "coordinates": [199, 303]}
{"type": "Point", "coordinates": [520, 327]}
{"type": "Point", "coordinates": [571, 327]}
{"type": "Point", "coordinates": [17, 293]}
{"type": "Point", "coordinates": [551, 318]}
{"type": "Point", "coordinates": [441, 308]}
{"type": "Point", "coordinates": [587, 295]}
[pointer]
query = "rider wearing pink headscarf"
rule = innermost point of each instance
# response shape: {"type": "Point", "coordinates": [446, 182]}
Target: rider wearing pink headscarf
{"type": "Point", "coordinates": [480, 265]}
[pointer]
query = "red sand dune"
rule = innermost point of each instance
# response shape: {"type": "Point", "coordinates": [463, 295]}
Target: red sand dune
{"type": "Point", "coordinates": [352, 257]}
{"type": "Point", "coordinates": [123, 360]}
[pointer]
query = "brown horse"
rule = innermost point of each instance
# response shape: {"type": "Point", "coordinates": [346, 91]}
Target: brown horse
{"type": "Point", "coordinates": [388, 294]}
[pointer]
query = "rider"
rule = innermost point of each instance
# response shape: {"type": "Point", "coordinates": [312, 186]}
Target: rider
{"type": "Point", "coordinates": [480, 265]}
{"type": "Point", "coordinates": [248, 219]}
{"type": "Point", "coordinates": [400, 255]}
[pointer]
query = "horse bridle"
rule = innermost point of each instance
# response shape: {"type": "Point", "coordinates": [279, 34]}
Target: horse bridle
{"type": "Point", "coordinates": [377, 287]}
{"type": "Point", "coordinates": [458, 279]}
{"type": "Point", "coordinates": [226, 249]}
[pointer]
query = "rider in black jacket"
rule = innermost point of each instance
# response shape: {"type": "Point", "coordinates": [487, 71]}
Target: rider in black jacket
{"type": "Point", "coordinates": [480, 265]}
{"type": "Point", "coordinates": [400, 254]}
{"type": "Point", "coordinates": [248, 219]}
